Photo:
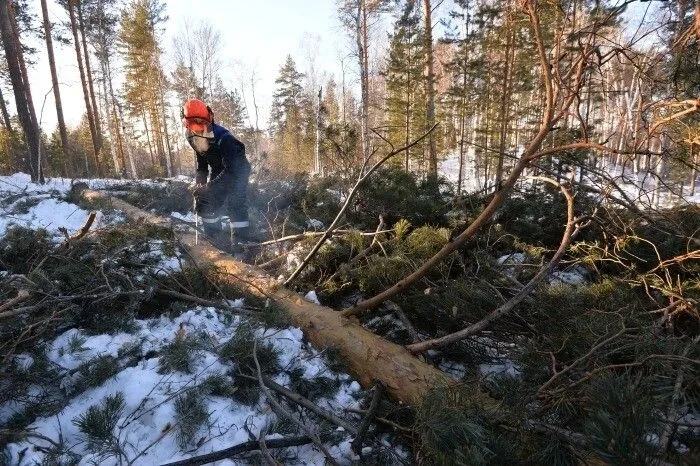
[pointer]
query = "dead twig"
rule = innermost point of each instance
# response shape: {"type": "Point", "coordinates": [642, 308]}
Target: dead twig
{"type": "Point", "coordinates": [204, 302]}
{"type": "Point", "coordinates": [311, 234]}
{"type": "Point", "coordinates": [351, 264]}
{"type": "Point", "coordinates": [80, 233]}
{"type": "Point", "coordinates": [265, 452]}
{"type": "Point", "coordinates": [383, 420]}
{"type": "Point", "coordinates": [241, 448]}
{"type": "Point", "coordinates": [371, 412]}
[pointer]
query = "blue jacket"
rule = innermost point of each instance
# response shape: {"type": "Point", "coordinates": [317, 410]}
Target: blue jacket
{"type": "Point", "coordinates": [225, 164]}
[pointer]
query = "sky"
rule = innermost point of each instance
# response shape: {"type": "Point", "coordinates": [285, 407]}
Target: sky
{"type": "Point", "coordinates": [256, 36]}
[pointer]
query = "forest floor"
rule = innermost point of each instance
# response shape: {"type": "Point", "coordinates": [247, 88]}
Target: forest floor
{"type": "Point", "coordinates": [105, 365]}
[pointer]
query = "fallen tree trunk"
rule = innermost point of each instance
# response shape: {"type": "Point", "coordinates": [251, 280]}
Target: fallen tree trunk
{"type": "Point", "coordinates": [369, 358]}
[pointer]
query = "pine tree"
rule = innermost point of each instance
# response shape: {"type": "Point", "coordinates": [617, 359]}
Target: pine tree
{"type": "Point", "coordinates": [144, 84]}
{"type": "Point", "coordinates": [101, 20]}
{"type": "Point", "coordinates": [287, 119]}
{"type": "Point", "coordinates": [405, 100]}
{"type": "Point", "coordinates": [228, 108]}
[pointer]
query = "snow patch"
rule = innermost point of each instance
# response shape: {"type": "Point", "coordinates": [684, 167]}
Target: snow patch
{"type": "Point", "coordinates": [311, 297]}
{"type": "Point", "coordinates": [314, 224]}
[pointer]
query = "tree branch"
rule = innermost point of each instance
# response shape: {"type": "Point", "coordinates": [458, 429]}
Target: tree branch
{"type": "Point", "coordinates": [361, 179]}
{"type": "Point", "coordinates": [241, 448]}
{"type": "Point", "coordinates": [371, 412]}
{"type": "Point", "coordinates": [570, 232]}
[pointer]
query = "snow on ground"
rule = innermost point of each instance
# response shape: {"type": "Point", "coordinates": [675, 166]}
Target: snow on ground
{"type": "Point", "coordinates": [638, 187]}
{"type": "Point", "coordinates": [315, 224]}
{"type": "Point", "coordinates": [147, 425]}
{"type": "Point", "coordinates": [312, 297]}
{"type": "Point", "coordinates": [34, 206]}
{"type": "Point", "coordinates": [49, 214]}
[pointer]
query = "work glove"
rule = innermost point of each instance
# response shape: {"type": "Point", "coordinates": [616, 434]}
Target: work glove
{"type": "Point", "coordinates": [196, 188]}
{"type": "Point", "coordinates": [202, 197]}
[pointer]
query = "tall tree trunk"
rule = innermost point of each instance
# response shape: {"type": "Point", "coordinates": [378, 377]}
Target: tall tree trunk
{"type": "Point", "coordinates": [5, 114]}
{"type": "Point", "coordinates": [487, 119]}
{"type": "Point", "coordinates": [463, 100]}
{"type": "Point", "coordinates": [54, 80]}
{"type": "Point", "coordinates": [15, 59]}
{"type": "Point", "coordinates": [148, 136]}
{"type": "Point", "coordinates": [42, 160]}
{"type": "Point", "coordinates": [86, 95]}
{"type": "Point", "coordinates": [111, 127]}
{"type": "Point", "coordinates": [88, 70]}
{"type": "Point", "coordinates": [319, 123]}
{"type": "Point", "coordinates": [430, 86]}
{"type": "Point", "coordinates": [168, 151]}
{"type": "Point", "coordinates": [127, 146]}
{"type": "Point", "coordinates": [119, 125]}
{"type": "Point", "coordinates": [505, 97]}
{"type": "Point", "coordinates": [362, 45]}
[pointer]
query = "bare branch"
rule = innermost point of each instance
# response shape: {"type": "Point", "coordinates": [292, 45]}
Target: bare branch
{"type": "Point", "coordinates": [361, 179]}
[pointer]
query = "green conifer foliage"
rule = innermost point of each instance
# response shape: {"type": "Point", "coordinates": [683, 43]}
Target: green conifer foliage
{"type": "Point", "coordinates": [405, 99]}
{"type": "Point", "coordinates": [291, 125]}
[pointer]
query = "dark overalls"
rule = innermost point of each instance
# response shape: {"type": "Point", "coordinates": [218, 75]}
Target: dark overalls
{"type": "Point", "coordinates": [228, 183]}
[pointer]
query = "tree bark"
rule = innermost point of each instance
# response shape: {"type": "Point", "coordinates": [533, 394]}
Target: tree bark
{"type": "Point", "coordinates": [15, 60]}
{"type": "Point", "coordinates": [370, 358]}
{"type": "Point", "coordinates": [86, 95]}
{"type": "Point", "coordinates": [168, 152]}
{"type": "Point", "coordinates": [148, 136]}
{"type": "Point", "coordinates": [42, 160]}
{"type": "Point", "coordinates": [505, 95]}
{"type": "Point", "coordinates": [5, 114]}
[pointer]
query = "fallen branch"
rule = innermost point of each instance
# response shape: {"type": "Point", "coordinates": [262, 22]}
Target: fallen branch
{"type": "Point", "coordinates": [558, 374]}
{"type": "Point", "coordinates": [311, 234]}
{"type": "Point", "coordinates": [308, 404]}
{"type": "Point", "coordinates": [244, 447]}
{"type": "Point", "coordinates": [361, 179]}
{"type": "Point", "coordinates": [265, 452]}
{"type": "Point", "coordinates": [22, 294]}
{"type": "Point", "coordinates": [80, 233]}
{"type": "Point", "coordinates": [205, 302]}
{"type": "Point", "coordinates": [283, 412]}
{"type": "Point", "coordinates": [383, 420]}
{"type": "Point", "coordinates": [371, 412]}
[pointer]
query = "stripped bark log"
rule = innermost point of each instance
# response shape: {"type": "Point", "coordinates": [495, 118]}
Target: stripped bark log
{"type": "Point", "coordinates": [369, 357]}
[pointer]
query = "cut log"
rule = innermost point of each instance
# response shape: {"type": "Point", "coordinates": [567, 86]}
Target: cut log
{"type": "Point", "coordinates": [368, 357]}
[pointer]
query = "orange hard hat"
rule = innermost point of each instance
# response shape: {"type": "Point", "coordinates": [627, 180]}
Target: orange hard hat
{"type": "Point", "coordinates": [196, 115]}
